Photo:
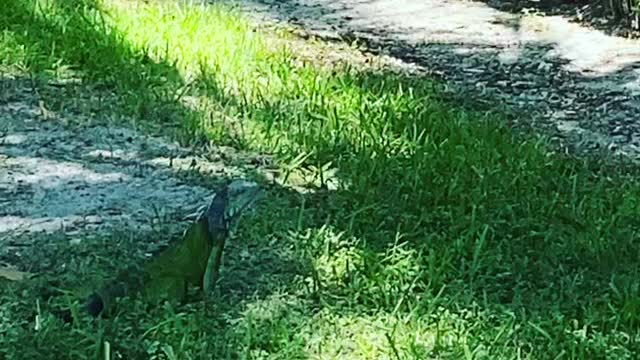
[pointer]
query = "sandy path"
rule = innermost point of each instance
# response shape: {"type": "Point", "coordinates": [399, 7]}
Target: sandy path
{"type": "Point", "coordinates": [85, 176]}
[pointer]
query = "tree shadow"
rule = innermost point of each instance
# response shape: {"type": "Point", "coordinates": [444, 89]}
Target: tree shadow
{"type": "Point", "coordinates": [549, 82]}
{"type": "Point", "coordinates": [524, 258]}
{"type": "Point", "coordinates": [64, 49]}
{"type": "Point", "coordinates": [587, 13]}
{"type": "Point", "coordinates": [391, 199]}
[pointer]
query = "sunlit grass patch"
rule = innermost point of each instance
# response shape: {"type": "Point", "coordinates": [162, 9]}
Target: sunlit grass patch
{"type": "Point", "coordinates": [12, 53]}
{"type": "Point", "coordinates": [193, 37]}
{"type": "Point", "coordinates": [283, 326]}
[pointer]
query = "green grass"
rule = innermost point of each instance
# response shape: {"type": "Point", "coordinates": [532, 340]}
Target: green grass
{"type": "Point", "coordinates": [440, 235]}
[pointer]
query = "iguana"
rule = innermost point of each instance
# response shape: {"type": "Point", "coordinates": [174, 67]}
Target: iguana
{"type": "Point", "coordinates": [195, 260]}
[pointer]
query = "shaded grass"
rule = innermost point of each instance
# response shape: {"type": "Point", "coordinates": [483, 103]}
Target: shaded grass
{"type": "Point", "coordinates": [437, 233]}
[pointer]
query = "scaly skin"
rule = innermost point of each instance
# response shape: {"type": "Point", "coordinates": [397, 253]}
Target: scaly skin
{"type": "Point", "coordinates": [193, 261]}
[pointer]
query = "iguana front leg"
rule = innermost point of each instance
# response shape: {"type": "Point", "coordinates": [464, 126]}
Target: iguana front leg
{"type": "Point", "coordinates": [212, 272]}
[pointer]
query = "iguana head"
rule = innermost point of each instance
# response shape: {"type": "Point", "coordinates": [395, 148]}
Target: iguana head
{"type": "Point", "coordinates": [229, 204]}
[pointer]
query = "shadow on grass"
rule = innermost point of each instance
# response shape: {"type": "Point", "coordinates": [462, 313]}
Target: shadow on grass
{"type": "Point", "coordinates": [433, 197]}
{"type": "Point", "coordinates": [73, 42]}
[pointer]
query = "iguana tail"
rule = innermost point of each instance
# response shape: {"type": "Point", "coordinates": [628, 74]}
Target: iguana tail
{"type": "Point", "coordinates": [129, 282]}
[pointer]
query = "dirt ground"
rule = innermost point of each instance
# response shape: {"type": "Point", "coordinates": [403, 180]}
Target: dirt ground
{"type": "Point", "coordinates": [64, 173]}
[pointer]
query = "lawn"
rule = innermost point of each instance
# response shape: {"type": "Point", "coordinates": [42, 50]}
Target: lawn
{"type": "Point", "coordinates": [425, 229]}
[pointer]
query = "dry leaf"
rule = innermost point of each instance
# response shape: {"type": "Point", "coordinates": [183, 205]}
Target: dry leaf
{"type": "Point", "coordinates": [12, 274]}
{"type": "Point", "coordinates": [45, 113]}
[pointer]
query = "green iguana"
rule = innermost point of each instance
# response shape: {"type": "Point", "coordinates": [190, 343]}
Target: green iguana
{"type": "Point", "coordinates": [195, 260]}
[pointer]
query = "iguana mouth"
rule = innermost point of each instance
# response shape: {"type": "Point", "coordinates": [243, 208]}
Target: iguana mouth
{"type": "Point", "coordinates": [242, 195]}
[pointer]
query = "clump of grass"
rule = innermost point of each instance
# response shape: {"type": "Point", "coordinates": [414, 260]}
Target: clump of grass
{"type": "Point", "coordinates": [444, 236]}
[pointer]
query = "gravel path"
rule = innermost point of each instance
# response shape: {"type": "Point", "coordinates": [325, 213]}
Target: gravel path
{"type": "Point", "coordinates": [580, 86]}
{"type": "Point", "coordinates": [64, 172]}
